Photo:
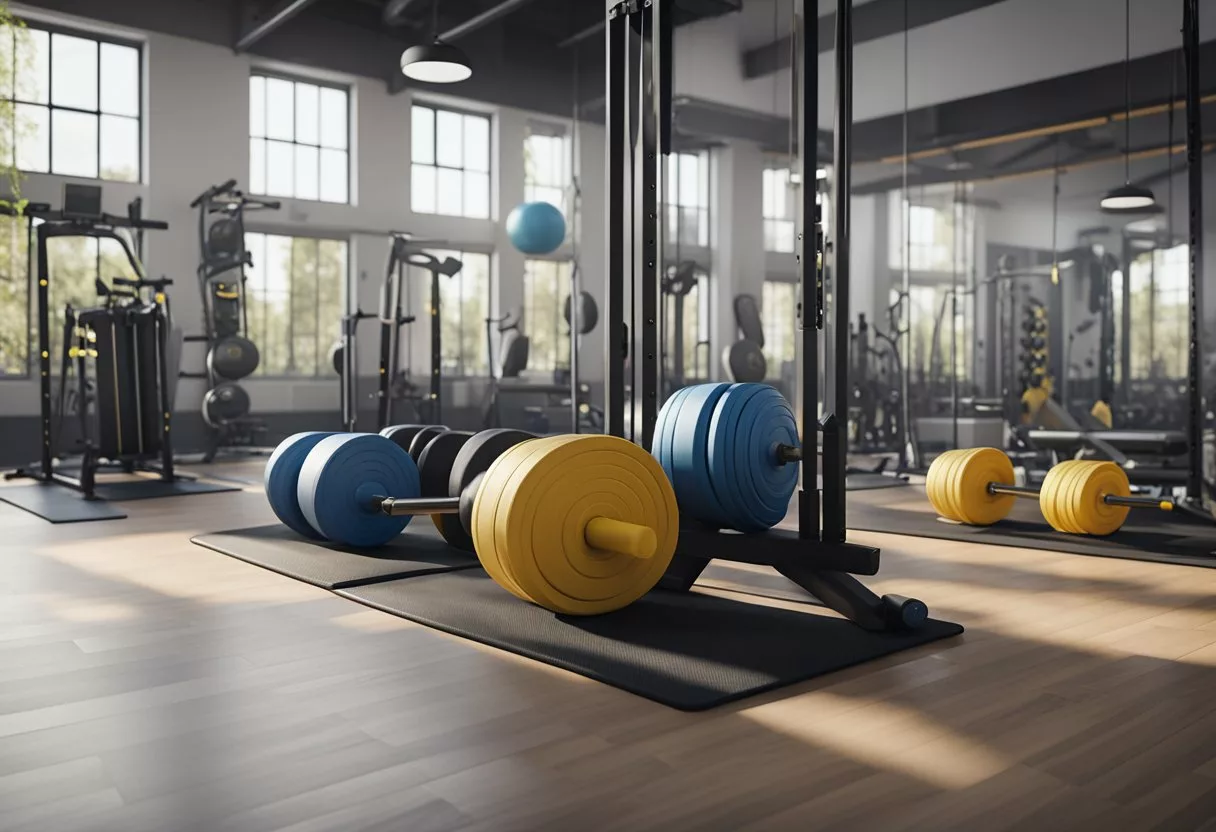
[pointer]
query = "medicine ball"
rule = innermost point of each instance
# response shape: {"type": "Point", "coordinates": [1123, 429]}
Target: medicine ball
{"type": "Point", "coordinates": [233, 358]}
{"type": "Point", "coordinates": [224, 403]}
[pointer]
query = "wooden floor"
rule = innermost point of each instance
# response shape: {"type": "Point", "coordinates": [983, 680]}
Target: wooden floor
{"type": "Point", "coordinates": [149, 684]}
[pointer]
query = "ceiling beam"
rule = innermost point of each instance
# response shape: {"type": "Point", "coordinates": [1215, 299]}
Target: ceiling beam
{"type": "Point", "coordinates": [871, 21]}
{"type": "Point", "coordinates": [484, 19]}
{"type": "Point", "coordinates": [266, 22]}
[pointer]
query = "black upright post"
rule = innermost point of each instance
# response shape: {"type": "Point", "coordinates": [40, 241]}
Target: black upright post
{"type": "Point", "coordinates": [166, 405]}
{"type": "Point", "coordinates": [616, 332]}
{"type": "Point", "coordinates": [835, 432]}
{"type": "Point", "coordinates": [44, 353]}
{"type": "Point", "coordinates": [435, 412]}
{"type": "Point", "coordinates": [809, 271]}
{"type": "Point", "coordinates": [384, 410]}
{"type": "Point", "coordinates": [1194, 157]}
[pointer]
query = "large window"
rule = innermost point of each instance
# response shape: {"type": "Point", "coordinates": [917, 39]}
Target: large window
{"type": "Point", "coordinates": [294, 298]}
{"type": "Point", "coordinates": [929, 361]}
{"type": "Point", "coordinates": [694, 335]}
{"type": "Point", "coordinates": [932, 242]}
{"type": "Point", "coordinates": [546, 287]}
{"type": "Point", "coordinates": [688, 199]}
{"type": "Point", "coordinates": [779, 314]}
{"type": "Point", "coordinates": [450, 151]}
{"type": "Point", "coordinates": [1159, 332]}
{"type": "Point", "coordinates": [547, 166]}
{"type": "Point", "coordinates": [75, 104]}
{"type": "Point", "coordinates": [298, 138]}
{"type": "Point", "coordinates": [464, 304]}
{"type": "Point", "coordinates": [778, 210]}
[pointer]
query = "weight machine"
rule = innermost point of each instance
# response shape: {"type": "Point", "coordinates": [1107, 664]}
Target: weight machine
{"type": "Point", "coordinates": [127, 338]}
{"type": "Point", "coordinates": [231, 355]}
{"type": "Point", "coordinates": [818, 556]}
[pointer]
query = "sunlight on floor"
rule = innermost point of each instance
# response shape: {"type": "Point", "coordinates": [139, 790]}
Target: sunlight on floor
{"type": "Point", "coordinates": [882, 735]}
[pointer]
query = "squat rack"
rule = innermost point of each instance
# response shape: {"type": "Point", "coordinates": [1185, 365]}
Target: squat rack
{"type": "Point", "coordinates": [817, 557]}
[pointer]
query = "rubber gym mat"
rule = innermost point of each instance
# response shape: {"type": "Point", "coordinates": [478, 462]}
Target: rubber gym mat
{"type": "Point", "coordinates": [148, 488]}
{"type": "Point", "coordinates": [419, 551]}
{"type": "Point", "coordinates": [58, 503]}
{"type": "Point", "coordinates": [1147, 535]}
{"type": "Point", "coordinates": [866, 481]}
{"type": "Point", "coordinates": [690, 651]}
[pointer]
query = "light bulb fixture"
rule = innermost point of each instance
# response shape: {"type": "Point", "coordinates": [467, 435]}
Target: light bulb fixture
{"type": "Point", "coordinates": [436, 62]}
{"type": "Point", "coordinates": [1128, 198]}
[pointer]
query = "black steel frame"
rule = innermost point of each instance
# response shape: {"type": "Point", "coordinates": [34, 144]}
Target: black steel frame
{"type": "Point", "coordinates": [55, 224]}
{"type": "Point", "coordinates": [1195, 487]}
{"type": "Point", "coordinates": [817, 556]}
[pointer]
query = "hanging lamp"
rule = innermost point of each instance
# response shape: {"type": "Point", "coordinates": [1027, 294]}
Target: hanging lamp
{"type": "Point", "coordinates": [1127, 198]}
{"type": "Point", "coordinates": [436, 62]}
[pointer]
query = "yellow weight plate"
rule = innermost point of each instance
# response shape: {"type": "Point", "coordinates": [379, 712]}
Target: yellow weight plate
{"type": "Point", "coordinates": [970, 478]}
{"type": "Point", "coordinates": [556, 486]}
{"type": "Point", "coordinates": [490, 493]}
{"type": "Point", "coordinates": [950, 484]}
{"type": "Point", "coordinates": [1070, 486]}
{"type": "Point", "coordinates": [1094, 480]}
{"type": "Point", "coordinates": [935, 482]}
{"type": "Point", "coordinates": [1050, 503]}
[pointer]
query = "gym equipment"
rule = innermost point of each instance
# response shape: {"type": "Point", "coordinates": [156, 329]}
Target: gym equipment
{"type": "Point", "coordinates": [231, 355]}
{"type": "Point", "coordinates": [678, 282]}
{"type": "Point", "coordinates": [580, 525]}
{"type": "Point", "coordinates": [818, 556]}
{"type": "Point", "coordinates": [588, 313]}
{"type": "Point", "coordinates": [129, 339]}
{"type": "Point", "coordinates": [727, 449]}
{"type": "Point", "coordinates": [976, 486]}
{"type": "Point", "coordinates": [744, 360]}
{"type": "Point", "coordinates": [282, 478]}
{"type": "Point", "coordinates": [472, 459]}
{"type": "Point", "coordinates": [536, 228]}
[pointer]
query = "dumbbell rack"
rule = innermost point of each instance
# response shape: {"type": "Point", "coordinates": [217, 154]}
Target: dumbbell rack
{"type": "Point", "coordinates": [817, 556]}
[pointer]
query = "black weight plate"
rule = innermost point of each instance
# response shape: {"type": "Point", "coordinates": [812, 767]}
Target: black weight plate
{"type": "Point", "coordinates": [745, 362]}
{"type": "Point", "coordinates": [747, 318]}
{"type": "Point", "coordinates": [422, 437]}
{"type": "Point", "coordinates": [403, 435]}
{"type": "Point", "coordinates": [225, 403]}
{"type": "Point", "coordinates": [475, 458]}
{"type": "Point", "coordinates": [337, 357]}
{"type": "Point", "coordinates": [588, 312]}
{"type": "Point", "coordinates": [436, 461]}
{"type": "Point", "coordinates": [233, 358]}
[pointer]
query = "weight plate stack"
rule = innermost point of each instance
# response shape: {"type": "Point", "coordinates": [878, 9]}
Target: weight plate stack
{"type": "Point", "coordinates": [536, 505]}
{"type": "Point", "coordinates": [476, 455]}
{"type": "Point", "coordinates": [957, 485]}
{"type": "Point", "coordinates": [282, 478]}
{"type": "Point", "coordinates": [339, 480]}
{"type": "Point", "coordinates": [1072, 497]}
{"type": "Point", "coordinates": [403, 435]}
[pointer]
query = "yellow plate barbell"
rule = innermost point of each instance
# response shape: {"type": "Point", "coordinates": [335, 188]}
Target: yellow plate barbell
{"type": "Point", "coordinates": [580, 525]}
{"type": "Point", "coordinates": [976, 486]}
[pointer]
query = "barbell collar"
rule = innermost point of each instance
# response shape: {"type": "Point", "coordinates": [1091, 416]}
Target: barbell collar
{"type": "Point", "coordinates": [788, 453]}
{"type": "Point", "coordinates": [419, 505]}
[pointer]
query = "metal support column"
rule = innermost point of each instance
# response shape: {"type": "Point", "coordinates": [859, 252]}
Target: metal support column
{"type": "Point", "coordinates": [810, 244]}
{"type": "Point", "coordinates": [617, 333]}
{"type": "Point", "coordinates": [1194, 158]}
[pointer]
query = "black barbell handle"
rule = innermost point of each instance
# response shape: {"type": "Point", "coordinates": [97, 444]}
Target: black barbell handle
{"type": "Point", "coordinates": [403, 507]}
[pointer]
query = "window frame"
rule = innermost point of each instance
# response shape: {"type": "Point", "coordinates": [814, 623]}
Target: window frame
{"type": "Point", "coordinates": [345, 89]}
{"type": "Point", "coordinates": [771, 168]}
{"type": "Point", "coordinates": [461, 370]}
{"type": "Point", "coordinates": [53, 29]}
{"type": "Point", "coordinates": [438, 108]}
{"type": "Point", "coordinates": [562, 335]}
{"type": "Point", "coordinates": [551, 130]}
{"type": "Point", "coordinates": [324, 373]}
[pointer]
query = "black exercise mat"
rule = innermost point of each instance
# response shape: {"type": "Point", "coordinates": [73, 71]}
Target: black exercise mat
{"type": "Point", "coordinates": [58, 503]}
{"type": "Point", "coordinates": [687, 650]}
{"type": "Point", "coordinates": [867, 481]}
{"type": "Point", "coordinates": [148, 488]}
{"type": "Point", "coordinates": [419, 551]}
{"type": "Point", "coordinates": [1149, 535]}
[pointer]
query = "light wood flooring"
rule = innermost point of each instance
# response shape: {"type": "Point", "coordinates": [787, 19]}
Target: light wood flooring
{"type": "Point", "coordinates": [149, 684]}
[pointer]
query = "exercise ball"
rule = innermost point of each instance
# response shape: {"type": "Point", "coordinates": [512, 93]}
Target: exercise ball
{"type": "Point", "coordinates": [536, 228]}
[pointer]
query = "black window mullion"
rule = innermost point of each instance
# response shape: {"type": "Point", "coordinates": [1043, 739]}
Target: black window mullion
{"type": "Point", "coordinates": [50, 103]}
{"type": "Point", "coordinates": [98, 148]}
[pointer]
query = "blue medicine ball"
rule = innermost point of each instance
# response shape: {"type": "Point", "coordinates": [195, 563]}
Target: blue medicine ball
{"type": "Point", "coordinates": [536, 228]}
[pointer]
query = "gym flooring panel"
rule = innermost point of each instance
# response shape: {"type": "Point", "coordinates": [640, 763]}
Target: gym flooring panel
{"type": "Point", "coordinates": [151, 685]}
{"type": "Point", "coordinates": [147, 488]}
{"type": "Point", "coordinates": [58, 503]}
{"type": "Point", "coordinates": [689, 651]}
{"type": "Point", "coordinates": [419, 551]}
{"type": "Point", "coordinates": [1149, 535]}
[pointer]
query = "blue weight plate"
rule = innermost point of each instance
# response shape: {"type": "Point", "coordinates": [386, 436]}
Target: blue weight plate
{"type": "Point", "coordinates": [660, 445]}
{"type": "Point", "coordinates": [339, 480]}
{"type": "Point", "coordinates": [689, 444]}
{"type": "Point", "coordinates": [282, 476]}
{"type": "Point", "coordinates": [762, 485]}
{"type": "Point", "coordinates": [724, 475]}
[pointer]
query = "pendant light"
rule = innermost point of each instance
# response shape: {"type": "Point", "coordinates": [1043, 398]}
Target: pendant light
{"type": "Point", "coordinates": [1128, 198]}
{"type": "Point", "coordinates": [436, 62]}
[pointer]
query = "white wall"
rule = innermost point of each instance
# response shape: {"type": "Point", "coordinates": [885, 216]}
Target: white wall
{"type": "Point", "coordinates": [196, 134]}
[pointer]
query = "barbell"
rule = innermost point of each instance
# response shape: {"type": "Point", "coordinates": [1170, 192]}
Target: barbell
{"type": "Point", "coordinates": [976, 486]}
{"type": "Point", "coordinates": [580, 525]}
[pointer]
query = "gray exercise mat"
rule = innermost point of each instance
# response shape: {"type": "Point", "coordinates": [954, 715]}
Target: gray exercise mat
{"type": "Point", "coordinates": [419, 551]}
{"type": "Point", "coordinates": [58, 503]}
{"type": "Point", "coordinates": [150, 488]}
{"type": "Point", "coordinates": [1149, 535]}
{"type": "Point", "coordinates": [690, 651]}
